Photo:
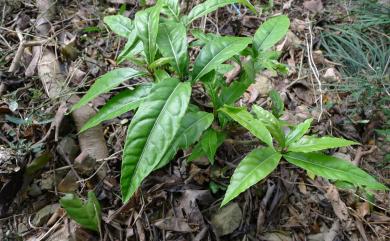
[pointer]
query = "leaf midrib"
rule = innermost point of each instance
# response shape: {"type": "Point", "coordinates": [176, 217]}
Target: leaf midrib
{"type": "Point", "coordinates": [173, 50]}
{"type": "Point", "coordinates": [128, 30]}
{"type": "Point", "coordinates": [152, 130]}
{"type": "Point", "coordinates": [217, 5]}
{"type": "Point", "coordinates": [321, 166]}
{"type": "Point", "coordinates": [201, 72]}
{"type": "Point", "coordinates": [149, 35]}
{"type": "Point", "coordinates": [257, 122]}
{"type": "Point", "coordinates": [258, 166]}
{"type": "Point", "coordinates": [268, 33]}
{"type": "Point", "coordinates": [192, 124]}
{"type": "Point", "coordinates": [116, 110]}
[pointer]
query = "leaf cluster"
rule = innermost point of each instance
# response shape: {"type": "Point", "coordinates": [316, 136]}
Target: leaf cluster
{"type": "Point", "coordinates": [295, 147]}
{"type": "Point", "coordinates": [168, 120]}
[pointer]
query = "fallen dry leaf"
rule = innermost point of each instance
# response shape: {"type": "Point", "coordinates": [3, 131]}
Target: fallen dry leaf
{"type": "Point", "coordinates": [314, 6]}
{"type": "Point", "coordinates": [227, 219]}
{"type": "Point", "coordinates": [261, 87]}
{"type": "Point", "coordinates": [363, 209]}
{"type": "Point", "coordinates": [331, 74]}
{"type": "Point", "coordinates": [174, 224]}
{"type": "Point", "coordinates": [339, 207]}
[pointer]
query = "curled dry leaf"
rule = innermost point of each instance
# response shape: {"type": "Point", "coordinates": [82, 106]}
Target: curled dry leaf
{"type": "Point", "coordinates": [363, 209]}
{"type": "Point", "coordinates": [331, 74]}
{"type": "Point", "coordinates": [298, 26]}
{"type": "Point", "coordinates": [338, 205]}
{"type": "Point", "coordinates": [174, 224]}
{"type": "Point", "coordinates": [261, 87]}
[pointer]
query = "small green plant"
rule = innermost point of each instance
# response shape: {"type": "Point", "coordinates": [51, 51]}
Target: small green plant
{"type": "Point", "coordinates": [294, 147]}
{"type": "Point", "coordinates": [88, 214]}
{"type": "Point", "coordinates": [166, 121]}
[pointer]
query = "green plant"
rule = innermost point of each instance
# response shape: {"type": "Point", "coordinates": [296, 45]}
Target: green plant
{"type": "Point", "coordinates": [166, 121]}
{"type": "Point", "coordinates": [294, 147]}
{"type": "Point", "coordinates": [87, 214]}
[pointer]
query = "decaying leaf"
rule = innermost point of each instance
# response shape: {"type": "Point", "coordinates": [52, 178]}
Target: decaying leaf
{"type": "Point", "coordinates": [314, 6]}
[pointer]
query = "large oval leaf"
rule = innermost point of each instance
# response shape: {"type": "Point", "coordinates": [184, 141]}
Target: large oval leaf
{"type": "Point", "coordinates": [88, 215]}
{"type": "Point", "coordinates": [121, 103]}
{"type": "Point", "coordinates": [172, 42]}
{"type": "Point", "coordinates": [217, 52]}
{"type": "Point", "coordinates": [310, 143]}
{"type": "Point", "coordinates": [119, 24]}
{"type": "Point", "coordinates": [254, 126]}
{"type": "Point", "coordinates": [253, 168]}
{"type": "Point", "coordinates": [106, 83]}
{"type": "Point", "coordinates": [270, 32]}
{"type": "Point", "coordinates": [146, 24]}
{"type": "Point", "coordinates": [152, 131]}
{"type": "Point", "coordinates": [191, 128]}
{"type": "Point", "coordinates": [333, 168]}
{"type": "Point", "coordinates": [298, 131]}
{"type": "Point", "coordinates": [271, 122]}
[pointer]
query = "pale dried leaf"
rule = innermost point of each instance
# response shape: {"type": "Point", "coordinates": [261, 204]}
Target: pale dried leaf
{"type": "Point", "coordinates": [314, 6]}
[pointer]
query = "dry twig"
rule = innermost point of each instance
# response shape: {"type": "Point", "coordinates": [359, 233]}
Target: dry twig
{"type": "Point", "coordinates": [313, 67]}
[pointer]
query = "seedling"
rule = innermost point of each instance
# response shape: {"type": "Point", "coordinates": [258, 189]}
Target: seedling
{"type": "Point", "coordinates": [166, 121]}
{"type": "Point", "coordinates": [295, 147]}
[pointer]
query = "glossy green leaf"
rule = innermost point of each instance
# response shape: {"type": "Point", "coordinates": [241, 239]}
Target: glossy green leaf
{"type": "Point", "coordinates": [258, 164]}
{"type": "Point", "coordinates": [270, 32]}
{"type": "Point", "coordinates": [206, 7]}
{"type": "Point", "coordinates": [172, 42]}
{"type": "Point", "coordinates": [87, 214]}
{"type": "Point", "coordinates": [160, 62]}
{"type": "Point", "coordinates": [107, 82]}
{"type": "Point", "coordinates": [310, 143]}
{"type": "Point", "coordinates": [223, 69]}
{"type": "Point", "coordinates": [171, 8]}
{"type": "Point", "coordinates": [202, 38]}
{"type": "Point", "coordinates": [131, 44]}
{"type": "Point", "coordinates": [210, 142]}
{"type": "Point", "coordinates": [298, 131]}
{"type": "Point", "coordinates": [119, 24]}
{"type": "Point", "coordinates": [152, 131]}
{"type": "Point", "coordinates": [271, 122]}
{"type": "Point", "coordinates": [212, 83]}
{"type": "Point", "coordinates": [131, 53]}
{"type": "Point", "coordinates": [121, 103]}
{"type": "Point", "coordinates": [160, 75]}
{"type": "Point", "coordinates": [192, 126]}
{"type": "Point", "coordinates": [196, 152]}
{"type": "Point", "coordinates": [253, 125]}
{"type": "Point", "coordinates": [217, 52]}
{"type": "Point", "coordinates": [277, 103]}
{"type": "Point", "coordinates": [333, 168]}
{"type": "Point", "coordinates": [249, 5]}
{"type": "Point", "coordinates": [146, 24]}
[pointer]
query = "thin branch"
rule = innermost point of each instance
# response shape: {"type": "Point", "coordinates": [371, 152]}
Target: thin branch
{"type": "Point", "coordinates": [313, 67]}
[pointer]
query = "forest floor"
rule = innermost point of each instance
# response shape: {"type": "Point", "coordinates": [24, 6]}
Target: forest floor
{"type": "Point", "coordinates": [182, 201]}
